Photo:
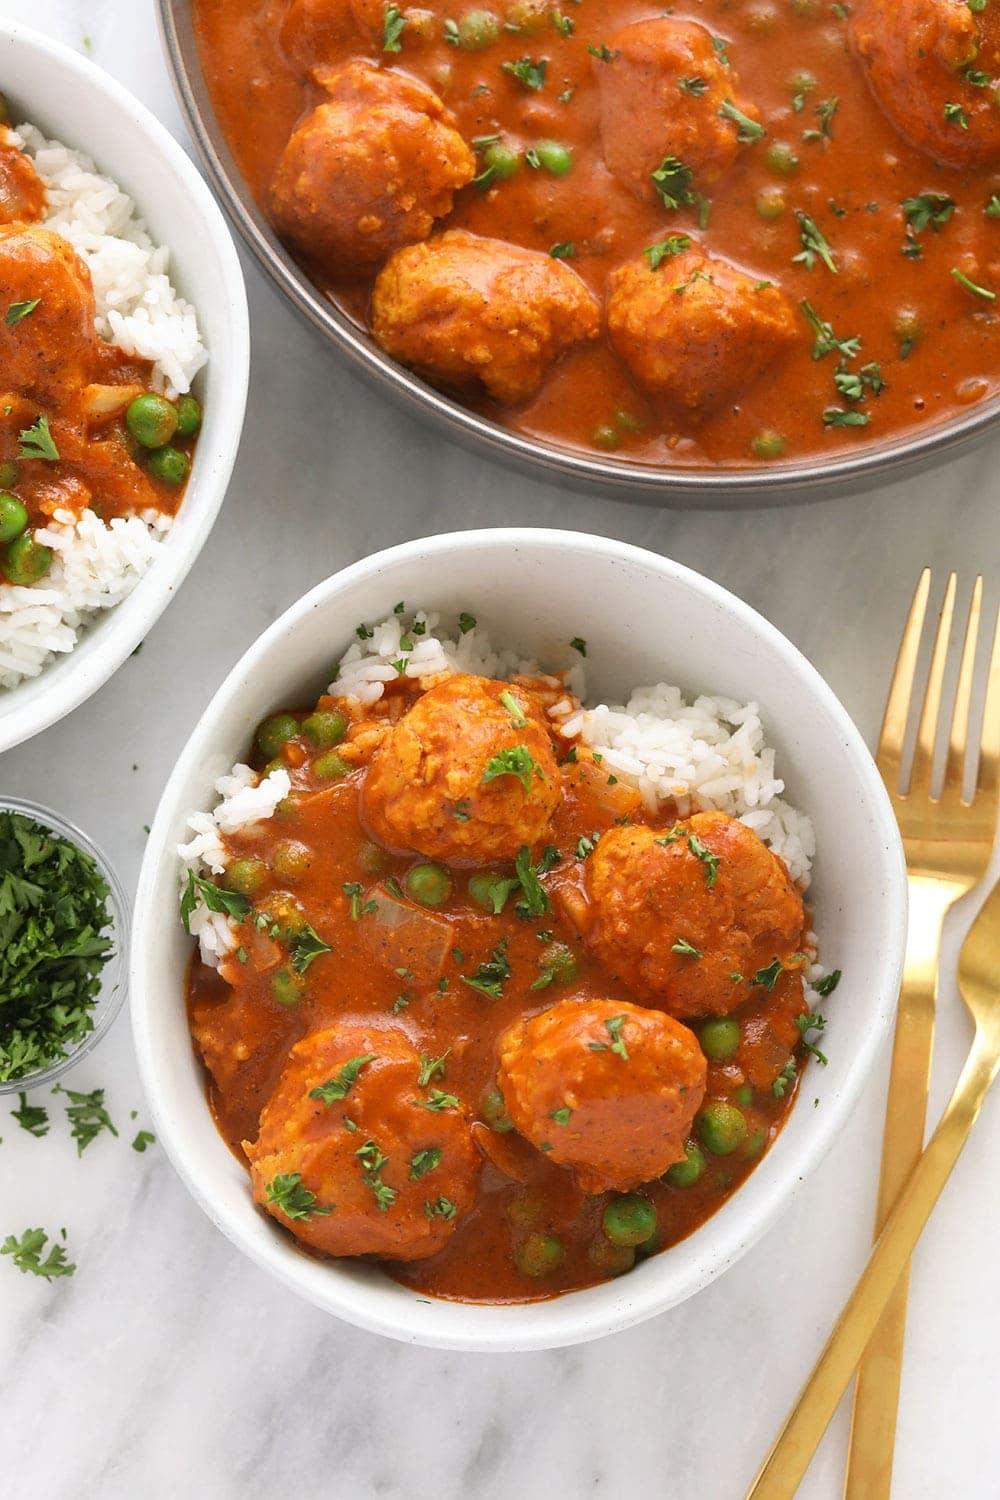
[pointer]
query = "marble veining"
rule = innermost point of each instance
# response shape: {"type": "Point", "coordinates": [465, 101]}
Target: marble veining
{"type": "Point", "coordinates": [171, 1367]}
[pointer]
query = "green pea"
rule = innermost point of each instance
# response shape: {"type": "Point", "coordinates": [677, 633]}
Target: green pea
{"type": "Point", "coordinates": [770, 204]}
{"type": "Point", "coordinates": [428, 884]}
{"type": "Point", "coordinates": [649, 1247]}
{"type": "Point", "coordinates": [494, 1111]}
{"type": "Point", "coordinates": [768, 444]}
{"type": "Point", "coordinates": [755, 1144]}
{"type": "Point", "coordinates": [169, 465]}
{"type": "Point", "coordinates": [480, 887]}
{"type": "Point", "coordinates": [287, 915]}
{"type": "Point", "coordinates": [325, 728]}
{"type": "Point", "coordinates": [608, 1258]}
{"type": "Point", "coordinates": [372, 858]}
{"type": "Point", "coordinates": [291, 860]}
{"type": "Point", "coordinates": [720, 1038]}
{"type": "Point", "coordinates": [558, 961]}
{"type": "Point", "coordinates": [287, 986]}
{"type": "Point", "coordinates": [26, 561]}
{"type": "Point", "coordinates": [275, 732]}
{"type": "Point", "coordinates": [477, 29]}
{"type": "Point", "coordinates": [626, 420]}
{"type": "Point", "coordinates": [555, 157]}
{"type": "Point", "coordinates": [152, 420]}
{"type": "Point", "coordinates": [13, 517]}
{"type": "Point", "coordinates": [685, 1173]}
{"type": "Point", "coordinates": [628, 1219]}
{"type": "Point", "coordinates": [526, 1211]}
{"type": "Point", "coordinates": [722, 1127]}
{"type": "Point", "coordinates": [188, 416]}
{"type": "Point", "coordinates": [329, 766]}
{"type": "Point", "coordinates": [527, 15]}
{"type": "Point", "coordinates": [908, 328]}
{"type": "Point", "coordinates": [782, 159]}
{"type": "Point", "coordinates": [10, 473]}
{"type": "Point", "coordinates": [606, 437]}
{"type": "Point", "coordinates": [501, 160]}
{"type": "Point", "coordinates": [744, 1095]}
{"type": "Point", "coordinates": [245, 876]}
{"type": "Point", "coordinates": [539, 1256]}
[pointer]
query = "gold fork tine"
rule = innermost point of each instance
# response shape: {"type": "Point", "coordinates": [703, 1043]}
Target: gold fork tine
{"type": "Point", "coordinates": [988, 780]}
{"type": "Point", "coordinates": [958, 739]}
{"type": "Point", "coordinates": [897, 707]}
{"type": "Point", "coordinates": [923, 755]}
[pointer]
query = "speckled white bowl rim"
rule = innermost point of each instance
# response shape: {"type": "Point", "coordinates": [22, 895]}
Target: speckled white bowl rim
{"type": "Point", "coordinates": [545, 586]}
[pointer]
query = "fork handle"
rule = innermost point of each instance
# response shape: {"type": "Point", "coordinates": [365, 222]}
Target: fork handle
{"type": "Point", "coordinates": [786, 1464]}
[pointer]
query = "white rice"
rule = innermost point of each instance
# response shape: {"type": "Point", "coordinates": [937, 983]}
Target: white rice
{"type": "Point", "coordinates": [98, 564]}
{"type": "Point", "coordinates": [705, 755]}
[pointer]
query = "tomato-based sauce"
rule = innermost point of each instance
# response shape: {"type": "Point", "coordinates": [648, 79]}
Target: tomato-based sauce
{"type": "Point", "coordinates": [449, 980]}
{"type": "Point", "coordinates": [884, 256]}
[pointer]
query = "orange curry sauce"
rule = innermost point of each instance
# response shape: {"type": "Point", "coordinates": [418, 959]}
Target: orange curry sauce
{"type": "Point", "coordinates": [935, 342]}
{"type": "Point", "coordinates": [246, 1034]}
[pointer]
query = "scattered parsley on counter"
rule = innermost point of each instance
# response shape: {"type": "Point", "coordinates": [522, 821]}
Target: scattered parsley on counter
{"type": "Point", "coordinates": [26, 1254]}
{"type": "Point", "coordinates": [54, 943]}
{"type": "Point", "coordinates": [143, 1139]}
{"type": "Point", "coordinates": [31, 1117]}
{"type": "Point", "coordinates": [87, 1116]}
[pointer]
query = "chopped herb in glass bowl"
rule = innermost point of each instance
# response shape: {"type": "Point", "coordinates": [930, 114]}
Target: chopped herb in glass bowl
{"type": "Point", "coordinates": [63, 940]}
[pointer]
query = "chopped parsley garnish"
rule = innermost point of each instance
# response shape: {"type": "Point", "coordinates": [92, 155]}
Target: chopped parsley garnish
{"type": "Point", "coordinates": [424, 1161]}
{"type": "Point", "coordinates": [563, 24]}
{"type": "Point", "coordinates": [373, 1159]}
{"type": "Point", "coordinates": [18, 310]}
{"type": "Point", "coordinates": [37, 442]}
{"type": "Point", "coordinates": [499, 891]}
{"type": "Point", "coordinates": [529, 73]}
{"type": "Point", "coordinates": [827, 341]}
{"type": "Point", "coordinates": [708, 859]}
{"type": "Point", "coordinates": [363, 633]}
{"type": "Point", "coordinates": [565, 250]}
{"type": "Point", "coordinates": [932, 209]}
{"type": "Point", "coordinates": [695, 86]}
{"type": "Point", "coordinates": [561, 1116]}
{"type": "Point", "coordinates": [672, 180]}
{"type": "Point", "coordinates": [437, 1101]}
{"type": "Point", "coordinates": [812, 1022]}
{"type": "Point", "coordinates": [785, 1079]}
{"type": "Point", "coordinates": [354, 890]}
{"type": "Point", "coordinates": [441, 1208]}
{"type": "Point", "coordinates": [971, 286]}
{"type": "Point", "coordinates": [688, 949]}
{"type": "Point", "coordinates": [515, 710]}
{"type": "Point", "coordinates": [294, 1200]}
{"type": "Point", "coordinates": [992, 209]}
{"type": "Point", "coordinates": [54, 943]}
{"type": "Point", "coordinates": [824, 111]}
{"type": "Point", "coordinates": [814, 244]}
{"type": "Point", "coordinates": [603, 53]}
{"type": "Point", "coordinates": [340, 1086]}
{"type": "Point", "coordinates": [719, 48]}
{"type": "Point", "coordinates": [33, 1118]}
{"type": "Point", "coordinates": [747, 130]}
{"type": "Point", "coordinates": [431, 1068]}
{"type": "Point", "coordinates": [87, 1116]}
{"type": "Point", "coordinates": [307, 945]}
{"type": "Point", "coordinates": [674, 244]}
{"type": "Point", "coordinates": [534, 902]}
{"type": "Point", "coordinates": [393, 25]}
{"type": "Point", "coordinates": [835, 416]}
{"type": "Point", "coordinates": [584, 846]}
{"type": "Point", "coordinates": [26, 1254]}
{"type": "Point", "coordinates": [767, 978]}
{"type": "Point", "coordinates": [518, 761]}
{"type": "Point", "coordinates": [613, 1027]}
{"type": "Point", "coordinates": [827, 984]}
{"type": "Point", "coordinates": [956, 115]}
{"type": "Point", "coordinates": [228, 903]}
{"type": "Point", "coordinates": [143, 1139]}
{"type": "Point", "coordinates": [460, 812]}
{"type": "Point", "coordinates": [466, 622]}
{"type": "Point", "coordinates": [491, 975]}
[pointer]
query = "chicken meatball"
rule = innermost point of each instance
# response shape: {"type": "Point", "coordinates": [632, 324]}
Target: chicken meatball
{"type": "Point", "coordinates": [647, 114]}
{"type": "Point", "coordinates": [369, 170]}
{"type": "Point", "coordinates": [314, 31]}
{"type": "Point", "coordinates": [22, 192]}
{"type": "Point", "coordinates": [348, 1156]}
{"type": "Point", "coordinates": [697, 330]}
{"type": "Point", "coordinates": [604, 1087]}
{"type": "Point", "coordinates": [465, 310]}
{"type": "Point", "coordinates": [934, 67]}
{"type": "Point", "coordinates": [61, 353]}
{"type": "Point", "coordinates": [687, 918]}
{"type": "Point", "coordinates": [468, 774]}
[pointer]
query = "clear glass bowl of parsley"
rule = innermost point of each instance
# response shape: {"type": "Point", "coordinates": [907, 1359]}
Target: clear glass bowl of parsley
{"type": "Point", "coordinates": [64, 922]}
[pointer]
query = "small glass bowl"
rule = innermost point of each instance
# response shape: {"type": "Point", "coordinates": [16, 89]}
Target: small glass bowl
{"type": "Point", "coordinates": [114, 977]}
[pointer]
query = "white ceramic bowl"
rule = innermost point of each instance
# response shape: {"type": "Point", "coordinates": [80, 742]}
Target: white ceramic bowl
{"type": "Point", "coordinates": [73, 101]}
{"type": "Point", "coordinates": [645, 619]}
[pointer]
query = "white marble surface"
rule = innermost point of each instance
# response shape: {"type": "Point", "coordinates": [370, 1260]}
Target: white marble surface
{"type": "Point", "coordinates": [170, 1366]}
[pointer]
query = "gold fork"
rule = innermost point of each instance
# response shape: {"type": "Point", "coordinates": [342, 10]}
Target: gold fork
{"type": "Point", "coordinates": [948, 842]}
{"type": "Point", "coordinates": [979, 983]}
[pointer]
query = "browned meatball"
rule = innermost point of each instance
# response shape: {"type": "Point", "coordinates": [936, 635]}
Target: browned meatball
{"type": "Point", "coordinates": [464, 310]}
{"type": "Point", "coordinates": [604, 1087]}
{"type": "Point", "coordinates": [368, 170]}
{"type": "Point", "coordinates": [934, 66]}
{"type": "Point", "coordinates": [22, 192]}
{"type": "Point", "coordinates": [648, 114]}
{"type": "Point", "coordinates": [60, 351]}
{"type": "Point", "coordinates": [687, 918]}
{"type": "Point", "coordinates": [350, 1159]}
{"type": "Point", "coordinates": [313, 32]}
{"type": "Point", "coordinates": [462, 777]}
{"type": "Point", "coordinates": [697, 330]}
